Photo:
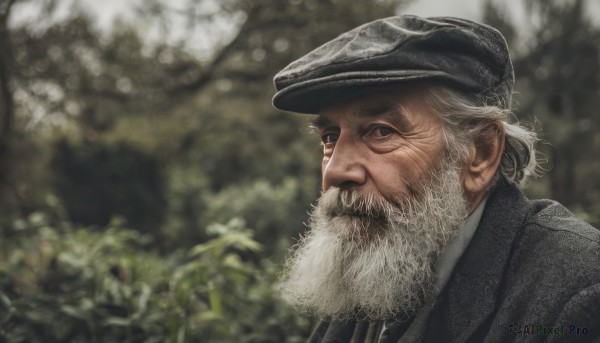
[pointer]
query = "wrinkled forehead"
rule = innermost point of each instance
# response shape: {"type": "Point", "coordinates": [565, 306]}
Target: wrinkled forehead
{"type": "Point", "coordinates": [403, 106]}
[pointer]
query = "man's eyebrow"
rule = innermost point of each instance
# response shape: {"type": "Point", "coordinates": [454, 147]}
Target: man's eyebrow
{"type": "Point", "coordinates": [389, 110]}
{"type": "Point", "coordinates": [386, 109]}
{"type": "Point", "coordinates": [320, 122]}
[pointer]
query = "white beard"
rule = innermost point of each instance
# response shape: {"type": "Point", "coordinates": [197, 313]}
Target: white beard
{"type": "Point", "coordinates": [366, 257]}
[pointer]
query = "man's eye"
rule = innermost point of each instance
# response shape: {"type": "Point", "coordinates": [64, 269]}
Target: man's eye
{"type": "Point", "coordinates": [381, 132]}
{"type": "Point", "coordinates": [329, 138]}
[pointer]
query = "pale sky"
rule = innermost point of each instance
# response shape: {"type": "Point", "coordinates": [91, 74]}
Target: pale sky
{"type": "Point", "coordinates": [471, 9]}
{"type": "Point", "coordinates": [468, 9]}
{"type": "Point", "coordinates": [105, 12]}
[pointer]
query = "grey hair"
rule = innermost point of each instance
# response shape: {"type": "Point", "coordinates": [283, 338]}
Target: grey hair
{"type": "Point", "coordinates": [467, 118]}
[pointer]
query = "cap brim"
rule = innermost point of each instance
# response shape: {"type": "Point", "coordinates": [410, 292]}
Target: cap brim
{"type": "Point", "coordinates": [310, 96]}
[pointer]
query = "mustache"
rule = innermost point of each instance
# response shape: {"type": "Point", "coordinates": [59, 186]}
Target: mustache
{"type": "Point", "coordinates": [343, 202]}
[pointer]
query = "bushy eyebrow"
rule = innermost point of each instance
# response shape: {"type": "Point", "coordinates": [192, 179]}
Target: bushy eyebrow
{"type": "Point", "coordinates": [389, 110]}
{"type": "Point", "coordinates": [320, 122]}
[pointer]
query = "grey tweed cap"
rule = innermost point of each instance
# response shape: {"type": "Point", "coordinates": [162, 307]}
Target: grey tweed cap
{"type": "Point", "coordinates": [462, 54]}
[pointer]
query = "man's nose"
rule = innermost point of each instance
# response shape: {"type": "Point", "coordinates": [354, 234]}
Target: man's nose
{"type": "Point", "coordinates": [345, 167]}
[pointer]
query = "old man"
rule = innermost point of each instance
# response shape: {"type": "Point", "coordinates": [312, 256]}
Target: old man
{"type": "Point", "coordinates": [422, 233]}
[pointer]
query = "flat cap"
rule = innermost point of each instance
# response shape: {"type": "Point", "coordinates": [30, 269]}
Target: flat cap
{"type": "Point", "coordinates": [462, 54]}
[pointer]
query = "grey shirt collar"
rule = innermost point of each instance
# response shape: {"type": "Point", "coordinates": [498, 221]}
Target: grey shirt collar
{"type": "Point", "coordinates": [457, 246]}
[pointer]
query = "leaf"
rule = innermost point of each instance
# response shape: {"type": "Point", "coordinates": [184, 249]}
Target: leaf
{"type": "Point", "coordinates": [201, 249]}
{"type": "Point", "coordinates": [117, 321]}
{"type": "Point", "coordinates": [234, 262]}
{"type": "Point", "coordinates": [207, 316]}
{"type": "Point", "coordinates": [214, 297]}
{"type": "Point", "coordinates": [242, 241]}
{"type": "Point", "coordinates": [5, 300]}
{"type": "Point", "coordinates": [143, 299]}
{"type": "Point", "coordinates": [38, 218]}
{"type": "Point", "coordinates": [195, 267]}
{"type": "Point", "coordinates": [73, 312]}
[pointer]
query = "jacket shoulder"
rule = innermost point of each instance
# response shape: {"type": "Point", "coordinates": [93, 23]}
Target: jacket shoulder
{"type": "Point", "coordinates": [554, 240]}
{"type": "Point", "coordinates": [551, 218]}
{"type": "Point", "coordinates": [553, 275]}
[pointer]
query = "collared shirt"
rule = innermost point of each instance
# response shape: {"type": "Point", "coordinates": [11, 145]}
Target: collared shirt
{"type": "Point", "coordinates": [443, 269]}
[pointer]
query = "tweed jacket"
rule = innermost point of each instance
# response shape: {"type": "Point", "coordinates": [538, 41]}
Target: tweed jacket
{"type": "Point", "coordinates": [530, 274]}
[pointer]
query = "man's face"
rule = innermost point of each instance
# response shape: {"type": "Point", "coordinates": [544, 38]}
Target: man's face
{"type": "Point", "coordinates": [382, 142]}
{"type": "Point", "coordinates": [392, 197]}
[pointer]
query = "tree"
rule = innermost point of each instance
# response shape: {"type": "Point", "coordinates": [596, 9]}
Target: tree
{"type": "Point", "coordinates": [207, 118]}
{"type": "Point", "coordinates": [6, 97]}
{"type": "Point", "coordinates": [558, 79]}
{"type": "Point", "coordinates": [227, 156]}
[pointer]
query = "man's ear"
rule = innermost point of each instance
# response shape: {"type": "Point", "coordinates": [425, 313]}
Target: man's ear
{"type": "Point", "coordinates": [485, 154]}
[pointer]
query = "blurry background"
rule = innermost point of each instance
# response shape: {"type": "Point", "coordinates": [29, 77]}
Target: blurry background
{"type": "Point", "coordinates": [149, 191]}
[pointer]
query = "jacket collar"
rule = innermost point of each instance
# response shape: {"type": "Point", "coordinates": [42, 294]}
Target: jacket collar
{"type": "Point", "coordinates": [469, 298]}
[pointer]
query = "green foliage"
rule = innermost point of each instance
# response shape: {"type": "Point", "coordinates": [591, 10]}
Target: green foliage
{"type": "Point", "coordinates": [65, 284]}
{"type": "Point", "coordinates": [557, 82]}
{"type": "Point", "coordinates": [182, 146]}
